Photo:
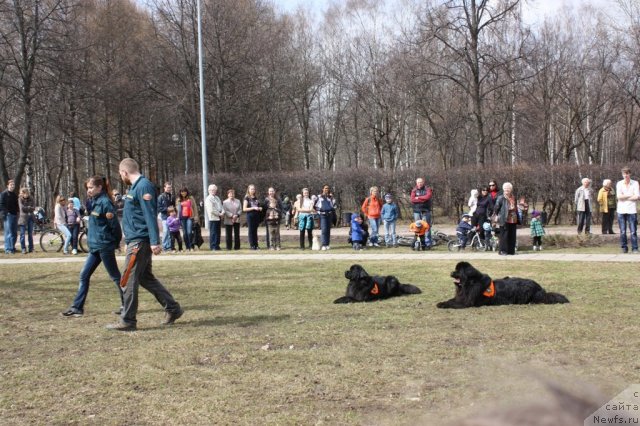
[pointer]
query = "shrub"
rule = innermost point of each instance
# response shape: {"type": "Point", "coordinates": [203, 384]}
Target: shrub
{"type": "Point", "coordinates": [547, 188]}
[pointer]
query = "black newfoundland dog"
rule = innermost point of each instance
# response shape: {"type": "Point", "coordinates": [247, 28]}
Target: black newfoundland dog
{"type": "Point", "coordinates": [363, 287]}
{"type": "Point", "coordinates": [473, 288]}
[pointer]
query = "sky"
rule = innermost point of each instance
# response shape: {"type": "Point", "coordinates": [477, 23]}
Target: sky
{"type": "Point", "coordinates": [536, 8]}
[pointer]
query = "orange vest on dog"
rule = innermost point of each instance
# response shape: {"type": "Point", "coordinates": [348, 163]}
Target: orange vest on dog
{"type": "Point", "coordinates": [490, 291]}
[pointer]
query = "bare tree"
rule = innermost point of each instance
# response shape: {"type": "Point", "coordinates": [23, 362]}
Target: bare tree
{"type": "Point", "coordinates": [462, 31]}
{"type": "Point", "coordinates": [24, 32]}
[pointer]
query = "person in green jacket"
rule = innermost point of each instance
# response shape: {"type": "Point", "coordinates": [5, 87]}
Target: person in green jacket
{"type": "Point", "coordinates": [103, 237]}
{"type": "Point", "coordinates": [143, 240]}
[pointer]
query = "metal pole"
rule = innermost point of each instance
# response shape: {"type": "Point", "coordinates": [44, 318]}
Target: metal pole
{"type": "Point", "coordinates": [203, 133]}
{"type": "Point", "coordinates": [186, 158]}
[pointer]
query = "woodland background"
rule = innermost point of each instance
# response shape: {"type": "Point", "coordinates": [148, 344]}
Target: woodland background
{"type": "Point", "coordinates": [459, 91]}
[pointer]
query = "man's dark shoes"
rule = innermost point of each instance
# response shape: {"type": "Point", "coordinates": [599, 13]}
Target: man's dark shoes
{"type": "Point", "coordinates": [120, 326]}
{"type": "Point", "coordinates": [171, 317]}
{"type": "Point", "coordinates": [72, 312]}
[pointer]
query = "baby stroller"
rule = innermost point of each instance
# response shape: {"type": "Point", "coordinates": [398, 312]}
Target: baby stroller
{"type": "Point", "coordinates": [490, 236]}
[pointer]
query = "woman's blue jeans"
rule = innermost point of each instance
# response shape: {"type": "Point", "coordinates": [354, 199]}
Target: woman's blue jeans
{"type": "Point", "coordinates": [67, 237]}
{"type": "Point", "coordinates": [28, 229]}
{"type": "Point", "coordinates": [187, 229]}
{"type": "Point", "coordinates": [75, 230]}
{"type": "Point", "coordinates": [108, 257]}
{"type": "Point", "coordinates": [374, 226]}
{"type": "Point", "coordinates": [325, 229]}
{"type": "Point", "coordinates": [390, 233]}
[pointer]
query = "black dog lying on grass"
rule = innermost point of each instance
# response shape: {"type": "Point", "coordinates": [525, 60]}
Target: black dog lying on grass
{"type": "Point", "coordinates": [364, 288]}
{"type": "Point", "coordinates": [473, 288]}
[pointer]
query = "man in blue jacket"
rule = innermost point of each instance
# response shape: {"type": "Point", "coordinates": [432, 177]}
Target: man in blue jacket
{"type": "Point", "coordinates": [142, 238]}
{"type": "Point", "coordinates": [165, 200]}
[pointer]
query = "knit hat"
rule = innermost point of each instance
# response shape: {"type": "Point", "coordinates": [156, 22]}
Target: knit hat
{"type": "Point", "coordinates": [418, 224]}
{"type": "Point", "coordinates": [388, 196]}
{"type": "Point", "coordinates": [535, 213]}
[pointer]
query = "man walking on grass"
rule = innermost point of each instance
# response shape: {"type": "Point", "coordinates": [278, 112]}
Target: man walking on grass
{"type": "Point", "coordinates": [142, 238]}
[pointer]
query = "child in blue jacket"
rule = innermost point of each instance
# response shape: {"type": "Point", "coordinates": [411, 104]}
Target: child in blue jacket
{"type": "Point", "coordinates": [389, 215]}
{"type": "Point", "coordinates": [357, 233]}
{"type": "Point", "coordinates": [463, 230]}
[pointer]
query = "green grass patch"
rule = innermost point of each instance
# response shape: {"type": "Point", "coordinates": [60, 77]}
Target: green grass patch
{"type": "Point", "coordinates": [262, 343]}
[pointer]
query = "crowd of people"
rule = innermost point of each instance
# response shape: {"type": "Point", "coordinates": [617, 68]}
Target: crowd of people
{"type": "Point", "coordinates": [138, 215]}
{"type": "Point", "coordinates": [493, 210]}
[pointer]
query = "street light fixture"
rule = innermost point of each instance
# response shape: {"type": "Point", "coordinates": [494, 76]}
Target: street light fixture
{"type": "Point", "coordinates": [176, 138]}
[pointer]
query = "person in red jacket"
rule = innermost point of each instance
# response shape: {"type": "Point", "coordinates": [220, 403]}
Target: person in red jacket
{"type": "Point", "coordinates": [421, 201]}
{"type": "Point", "coordinates": [371, 207]}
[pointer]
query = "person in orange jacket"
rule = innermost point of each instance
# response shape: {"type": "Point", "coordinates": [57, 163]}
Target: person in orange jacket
{"type": "Point", "coordinates": [419, 229]}
{"type": "Point", "coordinates": [371, 207]}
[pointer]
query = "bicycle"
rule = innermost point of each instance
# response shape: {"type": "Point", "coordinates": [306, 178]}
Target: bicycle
{"type": "Point", "coordinates": [437, 238]}
{"type": "Point", "coordinates": [476, 244]}
{"type": "Point", "coordinates": [52, 240]}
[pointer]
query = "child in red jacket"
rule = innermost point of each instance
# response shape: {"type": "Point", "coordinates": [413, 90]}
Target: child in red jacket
{"type": "Point", "coordinates": [371, 207]}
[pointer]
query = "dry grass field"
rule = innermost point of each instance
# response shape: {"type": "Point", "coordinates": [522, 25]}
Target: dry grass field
{"type": "Point", "coordinates": [262, 343]}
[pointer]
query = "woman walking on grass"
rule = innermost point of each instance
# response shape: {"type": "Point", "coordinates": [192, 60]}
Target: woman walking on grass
{"type": "Point", "coordinates": [103, 237]}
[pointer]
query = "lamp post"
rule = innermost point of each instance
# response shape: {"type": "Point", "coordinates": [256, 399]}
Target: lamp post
{"type": "Point", "coordinates": [203, 133]}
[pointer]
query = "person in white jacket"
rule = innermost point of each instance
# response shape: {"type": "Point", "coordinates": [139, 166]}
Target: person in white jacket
{"type": "Point", "coordinates": [473, 202]}
{"type": "Point", "coordinates": [214, 213]}
{"type": "Point", "coordinates": [628, 193]}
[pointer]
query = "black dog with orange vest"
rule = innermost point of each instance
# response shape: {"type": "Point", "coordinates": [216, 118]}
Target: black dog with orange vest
{"type": "Point", "coordinates": [363, 287]}
{"type": "Point", "coordinates": [473, 288]}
